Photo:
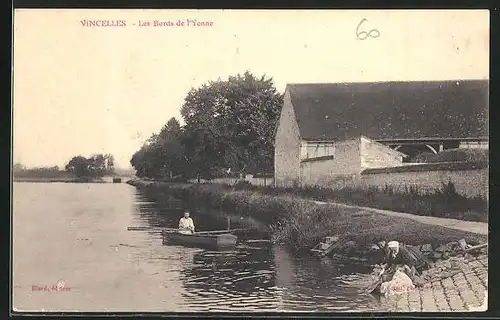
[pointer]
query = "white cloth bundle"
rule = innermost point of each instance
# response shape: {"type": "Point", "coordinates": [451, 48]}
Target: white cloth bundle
{"type": "Point", "coordinates": [400, 283]}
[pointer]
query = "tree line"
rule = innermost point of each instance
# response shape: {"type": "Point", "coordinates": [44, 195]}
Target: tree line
{"type": "Point", "coordinates": [229, 129]}
{"type": "Point", "coordinates": [95, 166]}
{"type": "Point", "coordinates": [42, 172]}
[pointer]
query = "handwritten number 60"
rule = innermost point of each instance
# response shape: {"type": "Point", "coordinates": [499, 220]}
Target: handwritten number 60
{"type": "Point", "coordinates": [362, 35]}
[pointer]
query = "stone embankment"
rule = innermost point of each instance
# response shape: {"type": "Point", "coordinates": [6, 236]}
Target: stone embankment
{"type": "Point", "coordinates": [455, 284]}
{"type": "Point", "coordinates": [374, 252]}
{"type": "Point", "coordinates": [456, 281]}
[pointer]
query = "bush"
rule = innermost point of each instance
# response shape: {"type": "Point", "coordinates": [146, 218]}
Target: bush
{"type": "Point", "coordinates": [242, 184]}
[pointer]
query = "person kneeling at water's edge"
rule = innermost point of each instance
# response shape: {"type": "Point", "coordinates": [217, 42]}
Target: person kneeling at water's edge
{"type": "Point", "coordinates": [402, 258]}
{"type": "Point", "coordinates": [186, 224]}
{"type": "Point", "coordinates": [412, 261]}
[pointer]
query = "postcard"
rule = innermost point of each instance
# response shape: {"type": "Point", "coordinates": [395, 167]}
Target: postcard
{"type": "Point", "coordinates": [250, 160]}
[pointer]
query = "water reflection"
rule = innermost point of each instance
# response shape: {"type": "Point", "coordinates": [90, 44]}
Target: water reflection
{"type": "Point", "coordinates": [241, 279]}
{"type": "Point", "coordinates": [155, 211]}
{"type": "Point", "coordinates": [310, 284]}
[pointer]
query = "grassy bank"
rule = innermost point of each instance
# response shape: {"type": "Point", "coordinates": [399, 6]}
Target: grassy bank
{"type": "Point", "coordinates": [300, 223]}
{"type": "Point", "coordinates": [444, 202]}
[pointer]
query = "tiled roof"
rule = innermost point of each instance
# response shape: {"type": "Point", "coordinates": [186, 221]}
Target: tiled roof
{"type": "Point", "coordinates": [391, 110]}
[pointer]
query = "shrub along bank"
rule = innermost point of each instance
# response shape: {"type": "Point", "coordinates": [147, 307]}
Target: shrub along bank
{"type": "Point", "coordinates": [301, 223]}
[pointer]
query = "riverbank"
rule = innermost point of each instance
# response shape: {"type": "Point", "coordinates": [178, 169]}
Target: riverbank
{"type": "Point", "coordinates": [301, 223]}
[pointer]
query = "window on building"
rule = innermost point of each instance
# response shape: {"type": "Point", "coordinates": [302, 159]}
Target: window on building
{"type": "Point", "coordinates": [316, 150]}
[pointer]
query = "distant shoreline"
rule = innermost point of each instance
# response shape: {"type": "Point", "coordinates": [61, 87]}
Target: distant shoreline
{"type": "Point", "coordinates": [66, 180]}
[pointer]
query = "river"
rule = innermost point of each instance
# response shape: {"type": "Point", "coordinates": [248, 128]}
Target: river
{"type": "Point", "coordinates": [72, 252]}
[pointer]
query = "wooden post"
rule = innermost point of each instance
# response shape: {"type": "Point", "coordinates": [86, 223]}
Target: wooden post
{"type": "Point", "coordinates": [228, 223]}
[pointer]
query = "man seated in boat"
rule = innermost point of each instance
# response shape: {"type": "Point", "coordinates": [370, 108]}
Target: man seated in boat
{"type": "Point", "coordinates": [186, 224]}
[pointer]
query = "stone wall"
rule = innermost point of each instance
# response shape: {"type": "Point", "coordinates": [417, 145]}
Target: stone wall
{"type": "Point", "coordinates": [258, 180]}
{"type": "Point", "coordinates": [469, 180]}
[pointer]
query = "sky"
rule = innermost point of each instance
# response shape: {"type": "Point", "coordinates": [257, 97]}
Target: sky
{"type": "Point", "coordinates": [80, 90]}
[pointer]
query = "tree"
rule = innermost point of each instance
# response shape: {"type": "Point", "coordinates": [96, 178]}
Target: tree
{"type": "Point", "coordinates": [98, 165]}
{"type": "Point", "coordinates": [17, 167]}
{"type": "Point", "coordinates": [170, 149]}
{"type": "Point", "coordinates": [162, 154]}
{"type": "Point", "coordinates": [230, 124]}
{"type": "Point", "coordinates": [79, 166]}
{"type": "Point", "coordinates": [110, 163]}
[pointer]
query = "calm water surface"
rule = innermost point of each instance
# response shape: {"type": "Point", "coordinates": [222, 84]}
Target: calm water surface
{"type": "Point", "coordinates": [75, 235]}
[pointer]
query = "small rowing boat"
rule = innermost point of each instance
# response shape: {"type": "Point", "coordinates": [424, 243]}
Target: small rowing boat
{"type": "Point", "coordinates": [215, 241]}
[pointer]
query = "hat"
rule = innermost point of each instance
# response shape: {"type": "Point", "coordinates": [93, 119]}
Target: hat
{"type": "Point", "coordinates": [393, 244]}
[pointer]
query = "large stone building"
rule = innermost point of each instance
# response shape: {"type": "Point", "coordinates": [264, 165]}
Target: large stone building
{"type": "Point", "coordinates": [329, 131]}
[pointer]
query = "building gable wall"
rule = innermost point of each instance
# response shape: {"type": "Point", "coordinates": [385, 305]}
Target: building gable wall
{"type": "Point", "coordinates": [287, 146]}
{"type": "Point", "coordinates": [377, 155]}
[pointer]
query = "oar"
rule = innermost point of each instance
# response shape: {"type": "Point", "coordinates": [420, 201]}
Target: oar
{"type": "Point", "coordinates": [222, 231]}
{"type": "Point", "coordinates": [160, 229]}
{"type": "Point", "coordinates": [157, 229]}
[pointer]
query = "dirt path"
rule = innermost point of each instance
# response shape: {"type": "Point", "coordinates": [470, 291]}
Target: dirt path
{"type": "Point", "coordinates": [469, 226]}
